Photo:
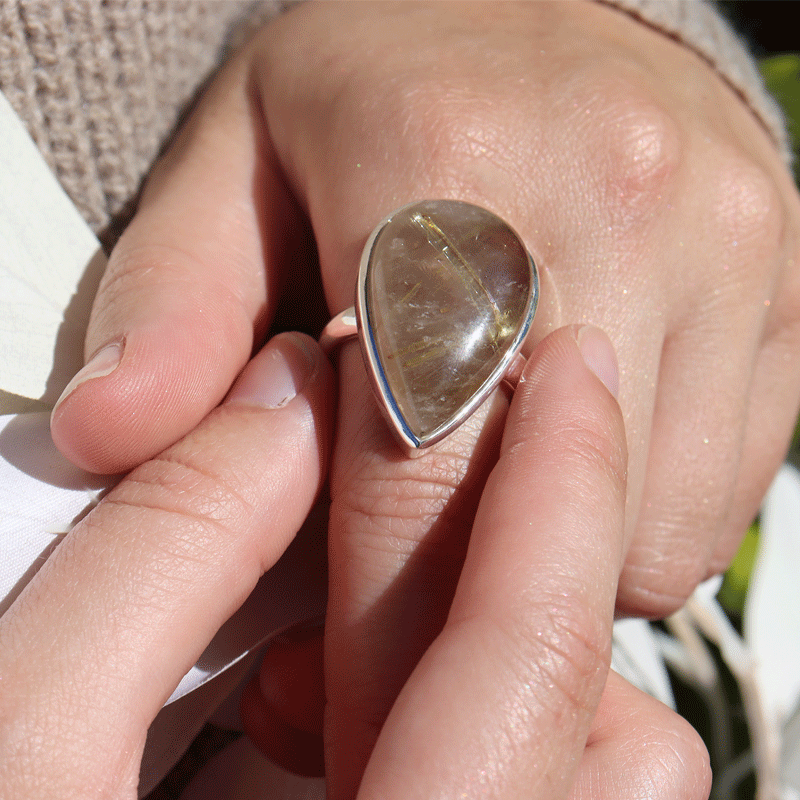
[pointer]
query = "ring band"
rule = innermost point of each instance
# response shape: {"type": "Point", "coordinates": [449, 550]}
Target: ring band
{"type": "Point", "coordinates": [342, 327]}
{"type": "Point", "coordinates": [446, 295]}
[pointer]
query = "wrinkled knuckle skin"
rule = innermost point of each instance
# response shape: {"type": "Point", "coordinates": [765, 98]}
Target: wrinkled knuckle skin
{"type": "Point", "coordinates": [143, 275]}
{"type": "Point", "coordinates": [390, 513]}
{"type": "Point", "coordinates": [560, 653]}
{"type": "Point", "coordinates": [195, 506]}
{"type": "Point", "coordinates": [671, 554]}
{"type": "Point", "coordinates": [585, 449]}
{"type": "Point", "coordinates": [597, 451]}
{"type": "Point", "coordinates": [746, 213]}
{"type": "Point", "coordinates": [590, 438]}
{"type": "Point", "coordinates": [642, 156]}
{"type": "Point", "coordinates": [656, 586]}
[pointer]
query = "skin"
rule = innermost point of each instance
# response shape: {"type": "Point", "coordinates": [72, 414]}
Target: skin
{"type": "Point", "coordinates": [512, 699]}
{"type": "Point", "coordinates": [157, 567]}
{"type": "Point", "coordinates": [652, 200]}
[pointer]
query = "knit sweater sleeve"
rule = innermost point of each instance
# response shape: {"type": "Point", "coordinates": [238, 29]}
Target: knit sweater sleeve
{"type": "Point", "coordinates": [700, 27]}
{"type": "Point", "coordinates": [100, 84]}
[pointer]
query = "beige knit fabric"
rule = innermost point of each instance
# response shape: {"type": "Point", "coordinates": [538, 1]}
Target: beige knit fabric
{"type": "Point", "coordinates": [697, 25]}
{"type": "Point", "coordinates": [101, 83]}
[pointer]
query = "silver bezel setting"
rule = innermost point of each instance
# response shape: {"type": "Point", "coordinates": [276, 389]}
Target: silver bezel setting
{"type": "Point", "coordinates": [375, 370]}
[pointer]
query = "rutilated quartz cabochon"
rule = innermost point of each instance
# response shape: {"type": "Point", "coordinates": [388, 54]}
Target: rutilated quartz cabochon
{"type": "Point", "coordinates": [446, 294]}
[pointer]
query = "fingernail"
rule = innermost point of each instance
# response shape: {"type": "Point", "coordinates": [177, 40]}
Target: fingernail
{"type": "Point", "coordinates": [102, 363]}
{"type": "Point", "coordinates": [276, 375]}
{"type": "Point", "coordinates": [599, 355]}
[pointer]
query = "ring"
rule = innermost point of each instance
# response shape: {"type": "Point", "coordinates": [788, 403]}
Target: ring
{"type": "Point", "coordinates": [446, 294]}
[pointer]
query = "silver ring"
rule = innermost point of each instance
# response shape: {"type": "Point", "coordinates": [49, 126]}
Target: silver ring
{"type": "Point", "coordinates": [446, 295]}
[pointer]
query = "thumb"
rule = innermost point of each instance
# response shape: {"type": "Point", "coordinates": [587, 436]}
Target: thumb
{"type": "Point", "coordinates": [502, 701]}
{"type": "Point", "coordinates": [189, 288]}
{"type": "Point", "coordinates": [99, 639]}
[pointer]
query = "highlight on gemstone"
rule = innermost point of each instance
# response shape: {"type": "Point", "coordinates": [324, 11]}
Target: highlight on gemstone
{"type": "Point", "coordinates": [447, 293]}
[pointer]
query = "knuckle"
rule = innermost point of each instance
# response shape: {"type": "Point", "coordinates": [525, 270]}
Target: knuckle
{"type": "Point", "coordinates": [192, 506]}
{"type": "Point", "coordinates": [655, 585]}
{"type": "Point", "coordinates": [746, 212]}
{"type": "Point", "coordinates": [132, 265]}
{"type": "Point", "coordinates": [629, 147]}
{"type": "Point", "coordinates": [139, 274]}
{"type": "Point", "coordinates": [596, 449]}
{"type": "Point", "coordinates": [642, 153]}
{"type": "Point", "coordinates": [560, 653]}
{"type": "Point", "coordinates": [585, 450]}
{"type": "Point", "coordinates": [394, 510]}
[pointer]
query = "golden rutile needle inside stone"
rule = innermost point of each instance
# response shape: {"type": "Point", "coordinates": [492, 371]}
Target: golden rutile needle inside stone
{"type": "Point", "coordinates": [448, 292]}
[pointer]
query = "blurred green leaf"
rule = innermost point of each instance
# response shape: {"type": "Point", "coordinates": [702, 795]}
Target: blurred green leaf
{"type": "Point", "coordinates": [782, 76]}
{"type": "Point", "coordinates": [795, 446]}
{"type": "Point", "coordinates": [733, 591]}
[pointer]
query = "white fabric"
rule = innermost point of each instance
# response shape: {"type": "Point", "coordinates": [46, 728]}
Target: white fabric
{"type": "Point", "coordinates": [45, 248]}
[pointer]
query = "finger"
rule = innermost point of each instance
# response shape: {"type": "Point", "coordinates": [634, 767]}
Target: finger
{"type": "Point", "coordinates": [638, 747]}
{"type": "Point", "coordinates": [503, 700]}
{"type": "Point", "coordinates": [102, 635]}
{"type": "Point", "coordinates": [693, 463]}
{"type": "Point", "coordinates": [295, 749]}
{"type": "Point", "coordinates": [291, 678]}
{"type": "Point", "coordinates": [283, 706]}
{"type": "Point", "coordinates": [771, 417]}
{"type": "Point", "coordinates": [192, 281]}
{"type": "Point", "coordinates": [399, 526]}
{"type": "Point", "coordinates": [704, 385]}
{"type": "Point", "coordinates": [398, 533]}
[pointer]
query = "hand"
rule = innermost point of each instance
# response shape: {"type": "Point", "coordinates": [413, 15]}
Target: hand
{"type": "Point", "coordinates": [101, 636]}
{"type": "Point", "coordinates": [652, 200]}
{"type": "Point", "coordinates": [504, 702]}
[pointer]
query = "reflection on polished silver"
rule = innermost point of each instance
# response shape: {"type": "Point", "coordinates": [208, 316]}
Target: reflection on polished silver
{"type": "Point", "coordinates": [446, 295]}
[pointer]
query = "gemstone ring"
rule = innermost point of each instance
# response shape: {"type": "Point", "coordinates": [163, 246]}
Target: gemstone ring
{"type": "Point", "coordinates": [446, 294]}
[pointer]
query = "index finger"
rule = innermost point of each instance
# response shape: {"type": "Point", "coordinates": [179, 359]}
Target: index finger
{"type": "Point", "coordinates": [503, 699]}
{"type": "Point", "coordinates": [97, 642]}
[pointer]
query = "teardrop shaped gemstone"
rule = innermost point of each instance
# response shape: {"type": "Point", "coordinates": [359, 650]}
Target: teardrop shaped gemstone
{"type": "Point", "coordinates": [447, 292]}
